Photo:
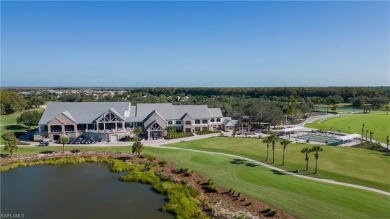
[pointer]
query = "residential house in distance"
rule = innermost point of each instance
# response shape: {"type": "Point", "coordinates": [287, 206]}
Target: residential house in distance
{"type": "Point", "coordinates": [110, 121]}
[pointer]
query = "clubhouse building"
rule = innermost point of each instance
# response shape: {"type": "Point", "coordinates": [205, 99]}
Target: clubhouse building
{"type": "Point", "coordinates": [110, 121]}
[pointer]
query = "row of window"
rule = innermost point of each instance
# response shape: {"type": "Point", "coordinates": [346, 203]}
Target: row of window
{"type": "Point", "coordinates": [204, 121]}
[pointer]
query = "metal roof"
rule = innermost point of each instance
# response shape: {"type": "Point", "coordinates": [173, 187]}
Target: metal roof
{"type": "Point", "coordinates": [82, 112]}
{"type": "Point", "coordinates": [87, 112]}
{"type": "Point", "coordinates": [215, 112]}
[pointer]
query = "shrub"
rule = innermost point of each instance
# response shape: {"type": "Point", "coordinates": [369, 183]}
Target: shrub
{"type": "Point", "coordinates": [119, 166]}
{"type": "Point", "coordinates": [75, 151]}
{"type": "Point", "coordinates": [162, 163]}
{"type": "Point", "coordinates": [182, 200]}
{"type": "Point", "coordinates": [127, 138]}
{"type": "Point", "coordinates": [269, 212]}
{"type": "Point", "coordinates": [149, 157]}
{"type": "Point", "coordinates": [147, 177]}
{"type": "Point", "coordinates": [210, 186]}
{"type": "Point", "coordinates": [91, 159]}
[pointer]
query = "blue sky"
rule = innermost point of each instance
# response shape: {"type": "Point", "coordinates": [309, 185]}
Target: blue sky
{"type": "Point", "coordinates": [152, 44]}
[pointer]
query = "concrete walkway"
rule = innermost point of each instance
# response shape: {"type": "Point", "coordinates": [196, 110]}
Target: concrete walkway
{"type": "Point", "coordinates": [278, 169]}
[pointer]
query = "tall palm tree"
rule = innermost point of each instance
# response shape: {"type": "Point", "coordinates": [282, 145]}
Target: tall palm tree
{"type": "Point", "coordinates": [273, 138]}
{"type": "Point", "coordinates": [63, 140]}
{"type": "Point", "coordinates": [306, 151]}
{"type": "Point", "coordinates": [284, 143]}
{"type": "Point", "coordinates": [316, 149]}
{"type": "Point", "coordinates": [267, 140]}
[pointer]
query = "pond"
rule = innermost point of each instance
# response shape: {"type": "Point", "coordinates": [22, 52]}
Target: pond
{"type": "Point", "coordinates": [87, 190]}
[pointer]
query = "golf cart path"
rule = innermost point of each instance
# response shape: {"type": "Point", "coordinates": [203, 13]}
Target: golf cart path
{"type": "Point", "coordinates": [278, 169]}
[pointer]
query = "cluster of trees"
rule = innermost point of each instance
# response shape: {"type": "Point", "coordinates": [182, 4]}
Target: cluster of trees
{"type": "Point", "coordinates": [12, 102]}
{"type": "Point", "coordinates": [344, 92]}
{"type": "Point", "coordinates": [272, 139]}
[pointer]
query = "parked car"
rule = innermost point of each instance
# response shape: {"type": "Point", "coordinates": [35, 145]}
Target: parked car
{"type": "Point", "coordinates": [43, 143]}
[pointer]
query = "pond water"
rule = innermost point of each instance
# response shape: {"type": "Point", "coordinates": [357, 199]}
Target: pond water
{"type": "Point", "coordinates": [87, 190]}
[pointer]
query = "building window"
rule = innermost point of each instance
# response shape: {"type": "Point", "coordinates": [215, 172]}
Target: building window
{"type": "Point", "coordinates": [197, 129]}
{"type": "Point", "coordinates": [178, 122]}
{"type": "Point", "coordinates": [197, 121]}
{"type": "Point", "coordinates": [91, 126]}
{"type": "Point", "coordinates": [204, 128]}
{"type": "Point", "coordinates": [81, 127]}
{"type": "Point", "coordinates": [56, 128]}
{"type": "Point", "coordinates": [204, 121]}
{"type": "Point", "coordinates": [212, 120]}
{"type": "Point", "coordinates": [188, 122]}
{"type": "Point", "coordinates": [170, 122]}
{"type": "Point", "coordinates": [188, 129]}
{"type": "Point", "coordinates": [69, 128]}
{"type": "Point", "coordinates": [218, 119]}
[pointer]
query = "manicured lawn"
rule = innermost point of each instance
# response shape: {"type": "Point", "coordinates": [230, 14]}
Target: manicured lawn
{"type": "Point", "coordinates": [351, 165]}
{"type": "Point", "coordinates": [379, 124]}
{"type": "Point", "coordinates": [299, 197]}
{"type": "Point", "coordinates": [8, 124]}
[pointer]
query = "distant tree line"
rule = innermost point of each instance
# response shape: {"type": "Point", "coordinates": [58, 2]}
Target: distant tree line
{"type": "Point", "coordinates": [11, 102]}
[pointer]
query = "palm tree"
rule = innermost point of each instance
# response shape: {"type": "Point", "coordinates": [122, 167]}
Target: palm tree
{"type": "Point", "coordinates": [371, 135]}
{"type": "Point", "coordinates": [11, 146]}
{"type": "Point", "coordinates": [316, 149]}
{"type": "Point", "coordinates": [306, 151]}
{"type": "Point", "coordinates": [273, 139]}
{"type": "Point", "coordinates": [234, 132]}
{"type": "Point", "coordinates": [137, 131]}
{"type": "Point", "coordinates": [362, 132]}
{"type": "Point", "coordinates": [267, 140]}
{"type": "Point", "coordinates": [170, 131]}
{"type": "Point", "coordinates": [63, 140]}
{"type": "Point", "coordinates": [137, 148]}
{"type": "Point", "coordinates": [284, 143]}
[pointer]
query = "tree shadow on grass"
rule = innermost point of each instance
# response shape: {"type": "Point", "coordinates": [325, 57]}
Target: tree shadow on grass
{"type": "Point", "coordinates": [278, 172]}
{"type": "Point", "coordinates": [4, 155]}
{"type": "Point", "coordinates": [15, 127]}
{"type": "Point", "coordinates": [251, 165]}
{"type": "Point", "coordinates": [47, 152]}
{"type": "Point", "coordinates": [237, 161]}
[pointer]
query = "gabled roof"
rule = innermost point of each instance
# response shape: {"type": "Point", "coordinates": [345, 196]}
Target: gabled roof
{"type": "Point", "coordinates": [117, 113]}
{"type": "Point", "coordinates": [164, 109]}
{"type": "Point", "coordinates": [82, 112]}
{"type": "Point", "coordinates": [186, 115]}
{"type": "Point", "coordinates": [229, 122]}
{"type": "Point", "coordinates": [67, 114]}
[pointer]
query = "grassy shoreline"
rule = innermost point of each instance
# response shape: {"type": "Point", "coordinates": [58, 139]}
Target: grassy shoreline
{"type": "Point", "coordinates": [182, 201]}
{"type": "Point", "coordinates": [298, 197]}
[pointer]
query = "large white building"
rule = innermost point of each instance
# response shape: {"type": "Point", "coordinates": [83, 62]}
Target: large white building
{"type": "Point", "coordinates": [111, 121]}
